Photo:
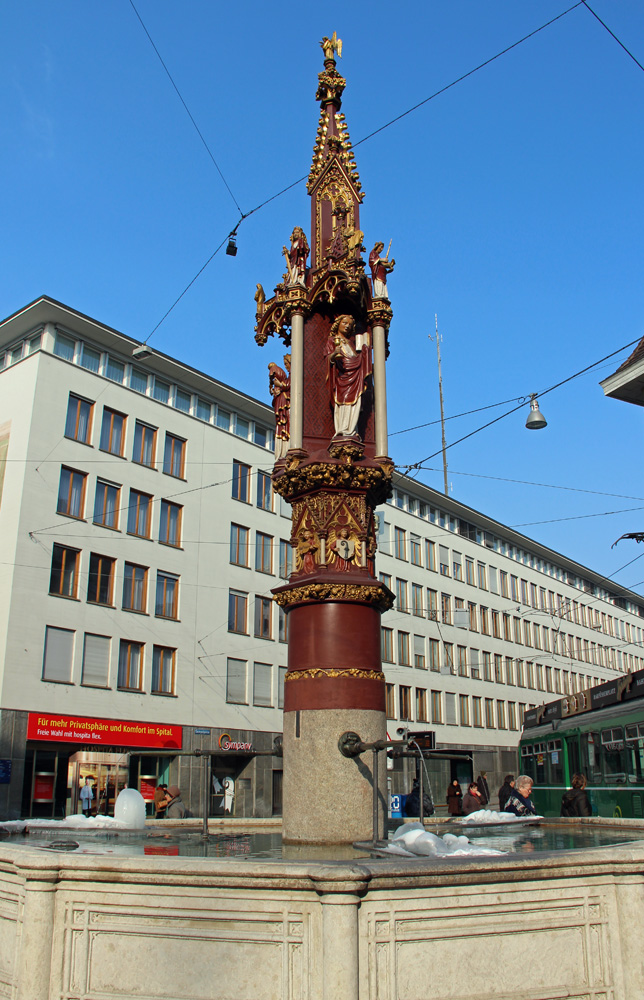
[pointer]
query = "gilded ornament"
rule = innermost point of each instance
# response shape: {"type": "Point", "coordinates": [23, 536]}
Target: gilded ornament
{"type": "Point", "coordinates": [375, 594]}
{"type": "Point", "coordinates": [355, 673]}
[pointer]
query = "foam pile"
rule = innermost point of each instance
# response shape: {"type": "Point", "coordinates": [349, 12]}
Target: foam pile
{"type": "Point", "coordinates": [412, 840]}
{"type": "Point", "coordinates": [487, 816]}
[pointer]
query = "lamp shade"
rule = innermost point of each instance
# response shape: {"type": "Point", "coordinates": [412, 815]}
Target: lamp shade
{"type": "Point", "coordinates": [536, 419]}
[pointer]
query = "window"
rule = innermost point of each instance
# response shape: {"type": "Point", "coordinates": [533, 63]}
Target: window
{"type": "Point", "coordinates": [527, 633]}
{"type": "Point", "coordinates": [489, 713]}
{"type": "Point", "coordinates": [106, 504]}
{"type": "Point", "coordinates": [434, 655]}
{"type": "Point", "coordinates": [450, 709]}
{"type": "Point", "coordinates": [446, 609]}
{"type": "Point", "coordinates": [242, 426]}
{"type": "Point", "coordinates": [63, 580]}
{"type": "Point", "coordinates": [469, 571]}
{"type": "Point", "coordinates": [498, 668]}
{"type": "Point", "coordinates": [419, 652]}
{"type": "Point", "coordinates": [487, 666]}
{"type": "Point", "coordinates": [115, 370]}
{"type": "Point", "coordinates": [263, 618]}
{"type": "Point", "coordinates": [509, 670]}
{"type": "Point", "coordinates": [71, 492]}
{"type": "Point", "coordinates": [477, 714]}
{"type": "Point", "coordinates": [161, 391]}
{"type": "Point", "coordinates": [390, 696]}
{"type": "Point", "coordinates": [387, 644]}
{"type": "Point", "coordinates": [264, 491]}
{"type": "Point", "coordinates": [432, 604]}
{"type": "Point", "coordinates": [514, 587]}
{"type": "Point", "coordinates": [472, 616]}
{"type": "Point", "coordinates": [170, 523]}
{"type": "Point", "coordinates": [448, 648]}
{"type": "Point", "coordinates": [167, 598]}
{"type": "Point", "coordinates": [281, 677]}
{"type": "Point", "coordinates": [204, 409]}
{"type": "Point", "coordinates": [421, 705]}
{"type": "Point", "coordinates": [403, 649]}
{"type": "Point", "coordinates": [286, 559]}
{"type": "Point", "coordinates": [504, 583]}
{"type": "Point", "coordinates": [112, 431]}
{"type": "Point", "coordinates": [437, 707]}
{"type": "Point", "coordinates": [430, 555]}
{"type": "Point", "coordinates": [263, 552]}
{"type": "Point", "coordinates": [400, 542]}
{"type": "Point", "coordinates": [417, 599]}
{"type": "Point", "coordinates": [512, 715]}
{"type": "Point", "coordinates": [401, 596]}
{"type": "Point", "coordinates": [263, 684]}
{"type": "Point", "coordinates": [282, 619]}
{"type": "Point", "coordinates": [96, 660]}
{"type": "Point", "coordinates": [404, 694]}
{"type": "Point", "coordinates": [457, 566]}
{"type": "Point", "coordinates": [174, 456]}
{"type": "Point", "coordinates": [415, 550]}
{"type": "Point", "coordinates": [138, 380]}
{"type": "Point", "coordinates": [58, 655]}
{"type": "Point", "coordinates": [182, 400]}
{"type": "Point", "coordinates": [500, 714]}
{"type": "Point", "coordinates": [138, 514]}
{"type": "Point", "coordinates": [443, 557]}
{"type": "Point", "coordinates": [64, 347]}
{"type": "Point", "coordinates": [464, 709]}
{"type": "Point", "coordinates": [517, 630]}
{"type": "Point", "coordinates": [135, 587]}
{"type": "Point", "coordinates": [482, 574]}
{"type": "Point", "coordinates": [507, 627]}
{"type": "Point", "coordinates": [386, 579]}
{"type": "Point", "coordinates": [223, 419]}
{"type": "Point", "coordinates": [100, 585]}
{"type": "Point", "coordinates": [145, 444]}
{"type": "Point", "coordinates": [238, 545]}
{"type": "Point", "coordinates": [461, 652]}
{"type": "Point", "coordinates": [130, 663]}
{"type": "Point", "coordinates": [241, 481]}
{"type": "Point", "coordinates": [485, 620]}
{"type": "Point", "coordinates": [163, 670]}
{"type": "Point", "coordinates": [78, 425]}
{"type": "Point", "coordinates": [237, 605]}
{"type": "Point", "coordinates": [90, 359]}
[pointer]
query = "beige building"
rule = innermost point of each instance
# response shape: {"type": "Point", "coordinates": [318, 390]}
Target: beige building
{"type": "Point", "coordinates": [140, 543]}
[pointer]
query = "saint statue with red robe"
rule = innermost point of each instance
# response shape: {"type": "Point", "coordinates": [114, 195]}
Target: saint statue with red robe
{"type": "Point", "coordinates": [349, 366]}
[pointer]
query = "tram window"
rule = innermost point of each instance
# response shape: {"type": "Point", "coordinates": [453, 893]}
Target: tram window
{"type": "Point", "coordinates": [635, 761]}
{"type": "Point", "coordinates": [555, 763]}
{"type": "Point", "coordinates": [528, 761]}
{"type": "Point", "coordinates": [590, 753]}
{"type": "Point", "coordinates": [574, 757]}
{"type": "Point", "coordinates": [631, 732]}
{"type": "Point", "coordinates": [613, 751]}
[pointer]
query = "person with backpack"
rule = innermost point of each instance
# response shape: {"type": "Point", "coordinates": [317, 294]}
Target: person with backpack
{"type": "Point", "coordinates": [575, 801]}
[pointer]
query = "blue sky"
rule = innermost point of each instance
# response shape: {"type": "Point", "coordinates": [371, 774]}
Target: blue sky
{"type": "Point", "coordinates": [513, 202]}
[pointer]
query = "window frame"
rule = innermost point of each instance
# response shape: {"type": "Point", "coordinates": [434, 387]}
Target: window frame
{"type": "Point", "coordinates": [169, 460]}
{"type": "Point", "coordinates": [166, 595]}
{"type": "Point", "coordinates": [241, 481]}
{"type": "Point", "coordinates": [159, 667]}
{"type": "Point", "coordinates": [106, 513]}
{"type": "Point", "coordinates": [140, 425]}
{"type": "Point", "coordinates": [134, 513]}
{"type": "Point", "coordinates": [107, 439]}
{"type": "Point", "coordinates": [131, 581]}
{"type": "Point", "coordinates": [110, 562]}
{"type": "Point", "coordinates": [62, 572]}
{"type": "Point", "coordinates": [166, 508]}
{"type": "Point", "coordinates": [73, 473]}
{"type": "Point", "coordinates": [80, 400]}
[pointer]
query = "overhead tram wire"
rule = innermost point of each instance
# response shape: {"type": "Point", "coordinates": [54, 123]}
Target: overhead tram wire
{"type": "Point", "coordinates": [418, 465]}
{"type": "Point", "coordinates": [612, 34]}
{"type": "Point", "coordinates": [187, 110]}
{"type": "Point", "coordinates": [300, 180]}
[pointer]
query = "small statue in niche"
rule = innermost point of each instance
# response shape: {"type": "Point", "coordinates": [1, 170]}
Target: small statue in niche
{"type": "Point", "coordinates": [348, 369]}
{"type": "Point", "coordinates": [344, 549]}
{"type": "Point", "coordinates": [380, 268]}
{"type": "Point", "coordinates": [297, 256]}
{"type": "Point", "coordinates": [279, 383]}
{"type": "Point", "coordinates": [260, 299]}
{"type": "Point", "coordinates": [305, 552]}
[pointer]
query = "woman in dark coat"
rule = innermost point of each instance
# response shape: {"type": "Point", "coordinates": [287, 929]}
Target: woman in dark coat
{"type": "Point", "coordinates": [472, 800]}
{"type": "Point", "coordinates": [454, 796]}
{"type": "Point", "coordinates": [575, 801]}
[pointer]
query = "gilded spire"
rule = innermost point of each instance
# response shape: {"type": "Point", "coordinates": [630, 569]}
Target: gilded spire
{"type": "Point", "coordinates": [332, 139]}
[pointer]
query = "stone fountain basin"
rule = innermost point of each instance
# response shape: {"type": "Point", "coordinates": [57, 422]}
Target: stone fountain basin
{"type": "Point", "coordinates": [539, 926]}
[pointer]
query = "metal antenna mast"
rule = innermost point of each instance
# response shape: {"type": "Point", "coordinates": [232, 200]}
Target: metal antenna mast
{"type": "Point", "coordinates": [440, 393]}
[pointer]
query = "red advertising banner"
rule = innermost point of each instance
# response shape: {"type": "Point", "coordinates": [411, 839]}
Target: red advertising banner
{"type": "Point", "coordinates": [102, 732]}
{"type": "Point", "coordinates": [147, 789]}
{"type": "Point", "coordinates": [43, 788]}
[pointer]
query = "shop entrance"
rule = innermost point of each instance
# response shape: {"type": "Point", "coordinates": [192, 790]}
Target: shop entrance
{"type": "Point", "coordinates": [108, 775]}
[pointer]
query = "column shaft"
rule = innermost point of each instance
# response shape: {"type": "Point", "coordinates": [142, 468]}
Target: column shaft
{"type": "Point", "coordinates": [297, 379]}
{"type": "Point", "coordinates": [380, 391]}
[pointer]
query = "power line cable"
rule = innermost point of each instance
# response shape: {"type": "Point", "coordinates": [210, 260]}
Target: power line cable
{"type": "Point", "coordinates": [278, 194]}
{"type": "Point", "coordinates": [548, 486]}
{"type": "Point", "coordinates": [576, 517]}
{"type": "Point", "coordinates": [544, 392]}
{"type": "Point", "coordinates": [465, 413]}
{"type": "Point", "coordinates": [187, 109]}
{"type": "Point", "coordinates": [468, 74]}
{"type": "Point", "coordinates": [612, 34]}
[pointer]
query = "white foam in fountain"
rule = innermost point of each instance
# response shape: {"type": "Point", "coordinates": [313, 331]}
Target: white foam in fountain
{"type": "Point", "coordinates": [129, 809]}
{"type": "Point", "coordinates": [412, 840]}
{"type": "Point", "coordinates": [487, 816]}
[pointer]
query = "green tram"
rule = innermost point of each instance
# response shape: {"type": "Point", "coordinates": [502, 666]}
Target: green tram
{"type": "Point", "coordinates": [599, 733]}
